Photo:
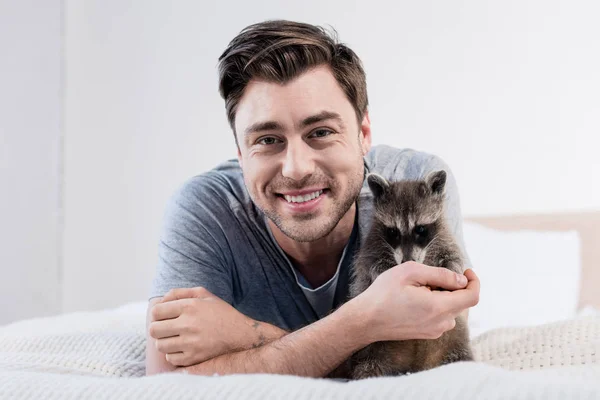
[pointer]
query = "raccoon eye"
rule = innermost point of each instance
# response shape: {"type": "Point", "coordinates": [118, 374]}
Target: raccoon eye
{"type": "Point", "coordinates": [421, 230]}
{"type": "Point", "coordinates": [392, 233]}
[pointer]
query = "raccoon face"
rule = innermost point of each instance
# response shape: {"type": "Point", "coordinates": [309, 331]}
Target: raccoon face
{"type": "Point", "coordinates": [407, 213]}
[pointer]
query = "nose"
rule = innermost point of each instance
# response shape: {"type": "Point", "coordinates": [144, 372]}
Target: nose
{"type": "Point", "coordinates": [298, 162]}
{"type": "Point", "coordinates": [407, 255]}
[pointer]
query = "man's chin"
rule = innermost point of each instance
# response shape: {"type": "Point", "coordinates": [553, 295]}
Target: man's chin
{"type": "Point", "coordinates": [303, 237]}
{"type": "Point", "coordinates": [308, 230]}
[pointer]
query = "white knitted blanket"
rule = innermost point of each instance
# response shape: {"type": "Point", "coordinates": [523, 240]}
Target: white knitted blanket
{"type": "Point", "coordinates": [101, 355]}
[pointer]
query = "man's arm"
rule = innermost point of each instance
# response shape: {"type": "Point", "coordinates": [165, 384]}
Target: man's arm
{"type": "Point", "coordinates": [192, 251]}
{"type": "Point", "coordinates": [220, 329]}
{"type": "Point", "coordinates": [397, 306]}
{"type": "Point", "coordinates": [313, 351]}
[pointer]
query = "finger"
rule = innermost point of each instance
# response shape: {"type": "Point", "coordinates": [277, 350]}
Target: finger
{"type": "Point", "coordinates": [449, 324]}
{"type": "Point", "coordinates": [459, 300]}
{"type": "Point", "coordinates": [163, 329]}
{"type": "Point", "coordinates": [424, 275]}
{"type": "Point", "coordinates": [186, 293]}
{"type": "Point", "coordinates": [473, 280]}
{"type": "Point", "coordinates": [169, 310]}
{"type": "Point", "coordinates": [470, 274]}
{"type": "Point", "coordinates": [172, 344]}
{"type": "Point", "coordinates": [177, 359]}
{"type": "Point", "coordinates": [177, 294]}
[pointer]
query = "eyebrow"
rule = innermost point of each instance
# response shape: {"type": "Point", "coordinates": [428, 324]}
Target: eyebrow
{"type": "Point", "coordinates": [313, 119]}
{"type": "Point", "coordinates": [322, 116]}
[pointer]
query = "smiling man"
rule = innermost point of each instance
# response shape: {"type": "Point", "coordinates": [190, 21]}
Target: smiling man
{"type": "Point", "coordinates": [256, 254]}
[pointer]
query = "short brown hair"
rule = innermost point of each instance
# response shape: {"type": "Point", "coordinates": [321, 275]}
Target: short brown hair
{"type": "Point", "coordinates": [279, 51]}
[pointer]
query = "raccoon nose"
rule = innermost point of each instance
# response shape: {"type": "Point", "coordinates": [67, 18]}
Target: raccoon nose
{"type": "Point", "coordinates": [407, 259]}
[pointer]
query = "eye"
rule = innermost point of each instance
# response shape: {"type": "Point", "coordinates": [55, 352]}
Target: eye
{"type": "Point", "coordinates": [421, 230]}
{"type": "Point", "coordinates": [267, 141]}
{"type": "Point", "coordinates": [392, 233]}
{"type": "Point", "coordinates": [320, 133]}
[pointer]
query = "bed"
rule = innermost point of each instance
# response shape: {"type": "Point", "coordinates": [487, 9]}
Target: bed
{"type": "Point", "coordinates": [548, 355]}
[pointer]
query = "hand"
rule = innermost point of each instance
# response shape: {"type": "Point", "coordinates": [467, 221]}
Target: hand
{"type": "Point", "coordinates": [400, 306]}
{"type": "Point", "coordinates": [193, 325]}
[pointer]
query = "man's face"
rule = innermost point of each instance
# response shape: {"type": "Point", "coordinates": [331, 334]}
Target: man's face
{"type": "Point", "coordinates": [301, 151]}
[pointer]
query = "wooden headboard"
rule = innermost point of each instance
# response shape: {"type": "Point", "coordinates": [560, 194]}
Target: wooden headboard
{"type": "Point", "coordinates": [588, 226]}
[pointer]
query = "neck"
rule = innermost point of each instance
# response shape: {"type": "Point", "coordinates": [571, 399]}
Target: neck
{"type": "Point", "coordinates": [317, 261]}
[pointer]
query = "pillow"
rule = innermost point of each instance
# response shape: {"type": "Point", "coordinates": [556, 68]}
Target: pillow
{"type": "Point", "coordinates": [527, 277]}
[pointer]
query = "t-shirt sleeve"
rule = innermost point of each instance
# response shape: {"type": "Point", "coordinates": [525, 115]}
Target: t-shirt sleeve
{"type": "Point", "coordinates": [193, 249]}
{"type": "Point", "coordinates": [452, 202]}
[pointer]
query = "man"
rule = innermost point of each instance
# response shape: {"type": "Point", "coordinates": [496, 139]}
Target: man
{"type": "Point", "coordinates": [255, 254]}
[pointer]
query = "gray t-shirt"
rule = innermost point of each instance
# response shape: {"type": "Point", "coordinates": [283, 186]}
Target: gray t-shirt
{"type": "Point", "coordinates": [215, 237]}
{"type": "Point", "coordinates": [321, 298]}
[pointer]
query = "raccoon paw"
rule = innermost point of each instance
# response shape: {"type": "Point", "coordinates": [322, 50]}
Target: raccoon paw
{"type": "Point", "coordinates": [461, 354]}
{"type": "Point", "coordinates": [367, 369]}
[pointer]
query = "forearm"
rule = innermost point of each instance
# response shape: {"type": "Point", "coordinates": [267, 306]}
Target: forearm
{"type": "Point", "coordinates": [313, 351]}
{"type": "Point", "coordinates": [263, 333]}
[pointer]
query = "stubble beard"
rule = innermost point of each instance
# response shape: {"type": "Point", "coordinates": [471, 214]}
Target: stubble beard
{"type": "Point", "coordinates": [305, 228]}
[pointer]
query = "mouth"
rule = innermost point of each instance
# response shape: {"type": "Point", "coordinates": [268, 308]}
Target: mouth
{"type": "Point", "coordinates": [303, 201]}
{"type": "Point", "coordinates": [301, 198]}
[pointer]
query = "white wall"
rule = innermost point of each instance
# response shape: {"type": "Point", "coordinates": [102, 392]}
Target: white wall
{"type": "Point", "coordinates": [506, 92]}
{"type": "Point", "coordinates": [30, 138]}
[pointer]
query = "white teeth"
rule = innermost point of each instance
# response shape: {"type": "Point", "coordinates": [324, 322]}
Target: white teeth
{"type": "Point", "coordinates": [302, 199]}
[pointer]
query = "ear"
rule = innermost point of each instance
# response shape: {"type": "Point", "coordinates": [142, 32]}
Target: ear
{"type": "Point", "coordinates": [364, 136]}
{"type": "Point", "coordinates": [239, 157]}
{"type": "Point", "coordinates": [436, 181]}
{"type": "Point", "coordinates": [378, 184]}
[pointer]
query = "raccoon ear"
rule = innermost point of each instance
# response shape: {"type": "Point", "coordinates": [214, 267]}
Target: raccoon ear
{"type": "Point", "coordinates": [436, 181]}
{"type": "Point", "coordinates": [378, 184]}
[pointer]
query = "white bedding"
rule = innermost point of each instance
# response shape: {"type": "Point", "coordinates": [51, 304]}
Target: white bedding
{"type": "Point", "coordinates": [101, 355]}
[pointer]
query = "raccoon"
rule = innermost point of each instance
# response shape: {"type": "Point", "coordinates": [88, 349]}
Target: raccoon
{"type": "Point", "coordinates": [408, 225]}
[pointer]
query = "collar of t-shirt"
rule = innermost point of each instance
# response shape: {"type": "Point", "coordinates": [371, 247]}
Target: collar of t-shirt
{"type": "Point", "coordinates": [321, 298]}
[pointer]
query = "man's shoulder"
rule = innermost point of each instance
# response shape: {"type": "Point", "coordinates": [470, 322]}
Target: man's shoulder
{"type": "Point", "coordinates": [402, 163]}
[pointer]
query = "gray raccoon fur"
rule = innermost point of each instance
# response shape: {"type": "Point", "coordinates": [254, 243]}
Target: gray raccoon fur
{"type": "Point", "coordinates": [408, 224]}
